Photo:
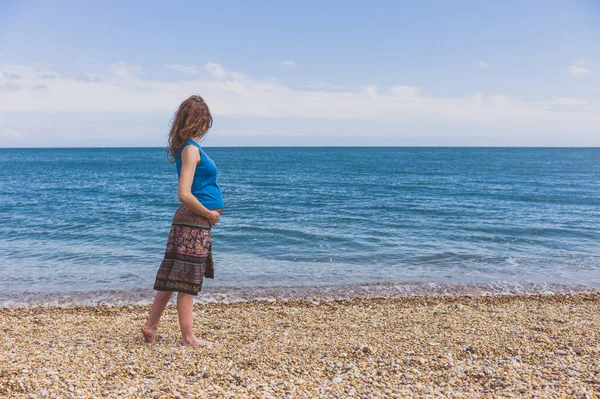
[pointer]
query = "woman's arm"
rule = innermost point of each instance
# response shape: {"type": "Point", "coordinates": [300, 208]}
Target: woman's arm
{"type": "Point", "coordinates": [190, 156]}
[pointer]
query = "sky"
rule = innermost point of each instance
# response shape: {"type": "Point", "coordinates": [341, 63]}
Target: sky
{"type": "Point", "coordinates": [310, 73]}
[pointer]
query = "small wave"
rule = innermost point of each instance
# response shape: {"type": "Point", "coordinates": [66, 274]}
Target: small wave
{"type": "Point", "coordinates": [321, 293]}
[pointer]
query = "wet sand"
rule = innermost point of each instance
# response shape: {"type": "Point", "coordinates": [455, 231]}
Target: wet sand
{"type": "Point", "coordinates": [405, 347]}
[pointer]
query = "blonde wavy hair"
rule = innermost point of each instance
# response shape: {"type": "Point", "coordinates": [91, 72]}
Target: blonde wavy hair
{"type": "Point", "coordinates": [192, 119]}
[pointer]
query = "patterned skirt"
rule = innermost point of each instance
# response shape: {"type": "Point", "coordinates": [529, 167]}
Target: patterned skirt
{"type": "Point", "coordinates": [188, 257]}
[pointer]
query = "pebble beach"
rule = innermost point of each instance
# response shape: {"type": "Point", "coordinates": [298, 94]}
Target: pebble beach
{"type": "Point", "coordinates": [534, 346]}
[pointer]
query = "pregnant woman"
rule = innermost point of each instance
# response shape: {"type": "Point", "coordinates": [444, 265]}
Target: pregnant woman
{"type": "Point", "coordinates": [188, 257]}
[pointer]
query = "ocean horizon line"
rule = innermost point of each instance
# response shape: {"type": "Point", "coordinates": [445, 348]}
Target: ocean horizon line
{"type": "Point", "coordinates": [315, 146]}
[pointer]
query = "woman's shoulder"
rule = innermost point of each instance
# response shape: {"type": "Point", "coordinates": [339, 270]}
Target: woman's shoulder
{"type": "Point", "coordinates": [190, 149]}
{"type": "Point", "coordinates": [189, 143]}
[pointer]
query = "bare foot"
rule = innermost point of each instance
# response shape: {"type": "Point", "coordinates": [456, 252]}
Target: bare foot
{"type": "Point", "coordinates": [195, 342]}
{"type": "Point", "coordinates": [149, 333]}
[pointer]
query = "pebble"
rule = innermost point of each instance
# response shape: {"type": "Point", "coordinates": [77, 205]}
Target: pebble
{"type": "Point", "coordinates": [364, 347]}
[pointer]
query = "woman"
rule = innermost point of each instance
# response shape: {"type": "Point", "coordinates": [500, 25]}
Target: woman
{"type": "Point", "coordinates": [188, 257]}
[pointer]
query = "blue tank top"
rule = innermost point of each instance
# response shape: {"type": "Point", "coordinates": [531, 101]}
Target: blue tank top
{"type": "Point", "coordinates": [204, 187]}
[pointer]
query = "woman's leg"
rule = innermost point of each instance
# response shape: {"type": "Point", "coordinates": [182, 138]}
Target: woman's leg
{"type": "Point", "coordinates": [185, 308]}
{"type": "Point", "coordinates": [151, 326]}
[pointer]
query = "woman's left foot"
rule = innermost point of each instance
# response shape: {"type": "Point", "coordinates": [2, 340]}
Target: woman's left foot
{"type": "Point", "coordinates": [196, 342]}
{"type": "Point", "coordinates": [149, 333]}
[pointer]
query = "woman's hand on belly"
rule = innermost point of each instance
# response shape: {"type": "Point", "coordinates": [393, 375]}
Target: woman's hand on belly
{"type": "Point", "coordinates": [213, 218]}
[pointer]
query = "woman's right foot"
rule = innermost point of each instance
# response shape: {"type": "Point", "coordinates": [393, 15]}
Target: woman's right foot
{"type": "Point", "coordinates": [149, 333]}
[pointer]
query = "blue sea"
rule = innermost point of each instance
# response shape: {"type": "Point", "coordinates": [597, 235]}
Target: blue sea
{"type": "Point", "coordinates": [92, 223]}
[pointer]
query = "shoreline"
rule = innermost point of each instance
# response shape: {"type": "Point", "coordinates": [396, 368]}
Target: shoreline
{"type": "Point", "coordinates": [283, 293]}
{"type": "Point", "coordinates": [413, 346]}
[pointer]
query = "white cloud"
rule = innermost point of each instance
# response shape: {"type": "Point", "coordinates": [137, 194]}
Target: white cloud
{"type": "Point", "coordinates": [371, 91]}
{"type": "Point", "coordinates": [124, 70]}
{"type": "Point", "coordinates": [7, 76]}
{"type": "Point", "coordinates": [216, 70]}
{"type": "Point", "coordinates": [236, 76]}
{"type": "Point", "coordinates": [289, 64]}
{"type": "Point", "coordinates": [482, 64]}
{"type": "Point", "coordinates": [192, 70]}
{"type": "Point", "coordinates": [568, 101]}
{"type": "Point", "coordinates": [234, 95]}
{"type": "Point", "coordinates": [9, 81]}
{"type": "Point", "coordinates": [578, 68]}
{"type": "Point", "coordinates": [405, 92]}
{"type": "Point", "coordinates": [318, 84]}
{"type": "Point", "coordinates": [12, 133]}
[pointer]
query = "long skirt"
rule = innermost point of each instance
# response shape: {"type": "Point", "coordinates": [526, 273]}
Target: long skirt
{"type": "Point", "coordinates": [188, 257]}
